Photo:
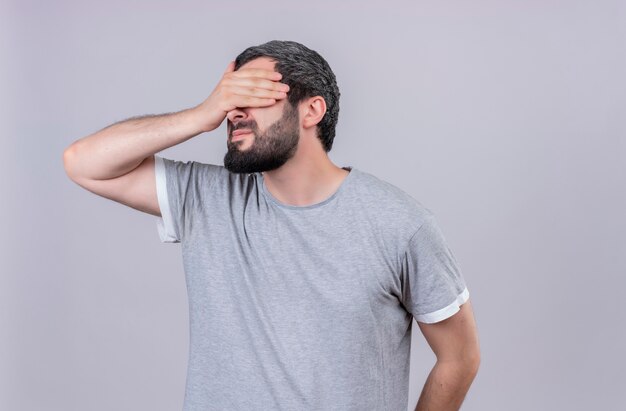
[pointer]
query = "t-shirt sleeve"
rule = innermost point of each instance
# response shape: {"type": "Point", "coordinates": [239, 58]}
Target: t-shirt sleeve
{"type": "Point", "coordinates": [182, 189]}
{"type": "Point", "coordinates": [433, 287]}
{"type": "Point", "coordinates": [172, 180]}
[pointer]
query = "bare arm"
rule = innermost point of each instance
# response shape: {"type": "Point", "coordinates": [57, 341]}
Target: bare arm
{"type": "Point", "coordinates": [455, 343]}
{"type": "Point", "coordinates": [118, 161]}
{"type": "Point", "coordinates": [121, 147]}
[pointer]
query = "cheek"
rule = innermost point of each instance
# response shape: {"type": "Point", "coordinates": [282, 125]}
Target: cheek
{"type": "Point", "coordinates": [265, 120]}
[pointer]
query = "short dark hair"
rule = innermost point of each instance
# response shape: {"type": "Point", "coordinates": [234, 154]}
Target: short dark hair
{"type": "Point", "coordinates": [307, 74]}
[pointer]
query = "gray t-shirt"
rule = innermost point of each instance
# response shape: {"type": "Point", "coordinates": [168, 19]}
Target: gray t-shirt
{"type": "Point", "coordinates": [302, 307]}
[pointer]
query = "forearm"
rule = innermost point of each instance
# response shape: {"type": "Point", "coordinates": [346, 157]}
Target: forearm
{"type": "Point", "coordinates": [122, 146]}
{"type": "Point", "coordinates": [446, 386]}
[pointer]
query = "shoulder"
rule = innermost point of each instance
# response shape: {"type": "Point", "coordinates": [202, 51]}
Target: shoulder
{"type": "Point", "coordinates": [391, 204]}
{"type": "Point", "coordinates": [223, 180]}
{"type": "Point", "coordinates": [189, 166]}
{"type": "Point", "coordinates": [210, 172]}
{"type": "Point", "coordinates": [193, 177]}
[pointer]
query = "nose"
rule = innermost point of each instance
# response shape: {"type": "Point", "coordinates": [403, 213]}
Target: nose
{"type": "Point", "coordinates": [236, 115]}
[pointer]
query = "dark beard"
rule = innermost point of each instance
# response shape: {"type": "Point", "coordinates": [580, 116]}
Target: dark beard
{"type": "Point", "coordinates": [269, 150]}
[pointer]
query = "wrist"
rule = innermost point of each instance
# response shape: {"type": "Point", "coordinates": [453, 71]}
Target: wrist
{"type": "Point", "coordinates": [205, 117]}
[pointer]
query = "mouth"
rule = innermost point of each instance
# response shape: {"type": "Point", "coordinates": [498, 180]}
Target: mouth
{"type": "Point", "coordinates": [240, 134]}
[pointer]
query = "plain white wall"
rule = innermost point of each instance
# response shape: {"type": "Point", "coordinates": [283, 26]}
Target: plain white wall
{"type": "Point", "coordinates": [504, 118]}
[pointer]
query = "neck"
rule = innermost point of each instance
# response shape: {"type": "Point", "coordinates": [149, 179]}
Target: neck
{"type": "Point", "coordinates": [308, 181]}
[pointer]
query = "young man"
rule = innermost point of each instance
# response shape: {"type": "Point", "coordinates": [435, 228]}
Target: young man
{"type": "Point", "coordinates": [303, 277]}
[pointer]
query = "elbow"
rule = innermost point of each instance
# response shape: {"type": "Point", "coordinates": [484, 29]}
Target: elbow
{"type": "Point", "coordinates": [471, 358]}
{"type": "Point", "coordinates": [467, 364]}
{"type": "Point", "coordinates": [68, 156]}
{"type": "Point", "coordinates": [472, 362]}
{"type": "Point", "coordinates": [471, 367]}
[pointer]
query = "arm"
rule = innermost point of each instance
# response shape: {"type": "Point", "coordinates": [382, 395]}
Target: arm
{"type": "Point", "coordinates": [455, 343]}
{"type": "Point", "coordinates": [121, 147]}
{"type": "Point", "coordinates": [117, 162]}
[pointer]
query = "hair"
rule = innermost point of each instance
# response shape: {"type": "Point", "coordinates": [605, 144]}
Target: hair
{"type": "Point", "coordinates": [307, 74]}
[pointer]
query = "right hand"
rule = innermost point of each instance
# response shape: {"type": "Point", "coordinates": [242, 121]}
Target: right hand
{"type": "Point", "coordinates": [247, 87]}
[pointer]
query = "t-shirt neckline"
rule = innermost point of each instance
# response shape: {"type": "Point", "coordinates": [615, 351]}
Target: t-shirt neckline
{"type": "Point", "coordinates": [334, 195]}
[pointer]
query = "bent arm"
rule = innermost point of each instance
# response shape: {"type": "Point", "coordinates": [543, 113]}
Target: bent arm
{"type": "Point", "coordinates": [122, 146]}
{"type": "Point", "coordinates": [118, 161]}
{"type": "Point", "coordinates": [446, 386]}
{"type": "Point", "coordinates": [455, 343]}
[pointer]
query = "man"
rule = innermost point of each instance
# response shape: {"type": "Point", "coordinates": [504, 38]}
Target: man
{"type": "Point", "coordinates": [303, 277]}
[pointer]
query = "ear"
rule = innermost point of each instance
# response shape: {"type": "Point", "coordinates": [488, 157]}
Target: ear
{"type": "Point", "coordinates": [312, 111]}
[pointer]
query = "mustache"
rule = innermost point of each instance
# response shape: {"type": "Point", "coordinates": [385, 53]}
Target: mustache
{"type": "Point", "coordinates": [239, 126]}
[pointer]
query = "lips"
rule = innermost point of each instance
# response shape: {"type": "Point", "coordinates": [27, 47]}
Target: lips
{"type": "Point", "coordinates": [238, 132]}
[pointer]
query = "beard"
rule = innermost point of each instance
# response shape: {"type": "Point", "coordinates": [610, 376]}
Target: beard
{"type": "Point", "coordinates": [269, 150]}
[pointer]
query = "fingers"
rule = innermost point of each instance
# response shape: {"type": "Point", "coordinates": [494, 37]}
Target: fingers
{"type": "Point", "coordinates": [250, 87]}
{"type": "Point", "coordinates": [257, 83]}
{"type": "Point", "coordinates": [254, 83]}
{"type": "Point", "coordinates": [249, 101]}
{"type": "Point", "coordinates": [258, 92]}
{"type": "Point", "coordinates": [255, 87]}
{"type": "Point", "coordinates": [257, 72]}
